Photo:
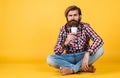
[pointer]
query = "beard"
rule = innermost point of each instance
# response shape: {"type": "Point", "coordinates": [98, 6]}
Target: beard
{"type": "Point", "coordinates": [74, 23]}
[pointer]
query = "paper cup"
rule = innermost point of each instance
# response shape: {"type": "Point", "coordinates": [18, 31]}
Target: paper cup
{"type": "Point", "coordinates": [74, 30]}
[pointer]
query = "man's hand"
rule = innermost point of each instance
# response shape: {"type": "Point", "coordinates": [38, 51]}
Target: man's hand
{"type": "Point", "coordinates": [70, 37]}
{"type": "Point", "coordinates": [85, 60]}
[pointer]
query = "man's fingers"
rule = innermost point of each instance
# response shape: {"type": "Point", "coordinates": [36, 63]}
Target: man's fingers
{"type": "Point", "coordinates": [85, 67]}
{"type": "Point", "coordinates": [72, 33]}
{"type": "Point", "coordinates": [72, 37]}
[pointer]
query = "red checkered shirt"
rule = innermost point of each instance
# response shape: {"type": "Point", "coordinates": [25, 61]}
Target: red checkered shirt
{"type": "Point", "coordinates": [81, 42]}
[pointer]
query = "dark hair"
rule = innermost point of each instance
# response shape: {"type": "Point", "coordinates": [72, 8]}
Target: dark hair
{"type": "Point", "coordinates": [70, 8]}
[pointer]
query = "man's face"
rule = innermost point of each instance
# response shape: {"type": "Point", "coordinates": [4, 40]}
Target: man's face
{"type": "Point", "coordinates": [73, 15]}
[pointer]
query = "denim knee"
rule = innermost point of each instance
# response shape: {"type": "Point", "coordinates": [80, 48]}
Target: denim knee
{"type": "Point", "coordinates": [49, 59]}
{"type": "Point", "coordinates": [100, 52]}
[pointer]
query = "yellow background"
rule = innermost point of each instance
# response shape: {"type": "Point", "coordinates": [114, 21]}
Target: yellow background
{"type": "Point", "coordinates": [29, 28]}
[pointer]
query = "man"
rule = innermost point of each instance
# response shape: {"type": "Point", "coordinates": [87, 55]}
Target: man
{"type": "Point", "coordinates": [73, 53]}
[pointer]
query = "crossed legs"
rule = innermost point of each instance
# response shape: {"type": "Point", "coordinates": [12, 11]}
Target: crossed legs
{"type": "Point", "coordinates": [71, 63]}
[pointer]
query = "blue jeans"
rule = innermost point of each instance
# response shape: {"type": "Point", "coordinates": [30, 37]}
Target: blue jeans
{"type": "Point", "coordinates": [73, 61]}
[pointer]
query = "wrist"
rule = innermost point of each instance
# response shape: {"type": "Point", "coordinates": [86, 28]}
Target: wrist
{"type": "Point", "coordinates": [87, 53]}
{"type": "Point", "coordinates": [66, 43]}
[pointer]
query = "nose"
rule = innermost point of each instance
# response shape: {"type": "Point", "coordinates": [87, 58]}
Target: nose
{"type": "Point", "coordinates": [73, 18]}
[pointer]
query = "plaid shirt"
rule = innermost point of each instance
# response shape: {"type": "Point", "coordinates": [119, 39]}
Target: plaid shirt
{"type": "Point", "coordinates": [81, 42]}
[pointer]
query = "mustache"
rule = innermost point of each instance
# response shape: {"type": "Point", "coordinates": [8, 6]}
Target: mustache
{"type": "Point", "coordinates": [73, 23]}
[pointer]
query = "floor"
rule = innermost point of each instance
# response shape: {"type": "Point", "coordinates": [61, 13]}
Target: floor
{"type": "Point", "coordinates": [42, 70]}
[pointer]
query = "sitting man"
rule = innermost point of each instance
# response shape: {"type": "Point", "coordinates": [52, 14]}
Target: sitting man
{"type": "Point", "coordinates": [73, 52]}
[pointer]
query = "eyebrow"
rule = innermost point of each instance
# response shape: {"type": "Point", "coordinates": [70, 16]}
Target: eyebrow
{"type": "Point", "coordinates": [72, 14]}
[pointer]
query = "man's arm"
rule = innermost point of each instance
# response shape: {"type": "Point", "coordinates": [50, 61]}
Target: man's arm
{"type": "Point", "coordinates": [97, 43]}
{"type": "Point", "coordinates": [97, 40]}
{"type": "Point", "coordinates": [59, 47]}
{"type": "Point", "coordinates": [85, 61]}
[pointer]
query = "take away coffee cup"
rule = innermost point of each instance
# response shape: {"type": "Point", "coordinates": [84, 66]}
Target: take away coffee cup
{"type": "Point", "coordinates": [74, 30]}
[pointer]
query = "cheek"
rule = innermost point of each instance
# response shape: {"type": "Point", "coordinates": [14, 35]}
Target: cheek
{"type": "Point", "coordinates": [77, 18]}
{"type": "Point", "coordinates": [69, 18]}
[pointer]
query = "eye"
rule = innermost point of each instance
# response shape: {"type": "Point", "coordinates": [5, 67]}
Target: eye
{"type": "Point", "coordinates": [75, 14]}
{"type": "Point", "coordinates": [69, 15]}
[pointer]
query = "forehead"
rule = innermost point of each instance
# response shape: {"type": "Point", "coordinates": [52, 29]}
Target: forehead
{"type": "Point", "coordinates": [73, 12]}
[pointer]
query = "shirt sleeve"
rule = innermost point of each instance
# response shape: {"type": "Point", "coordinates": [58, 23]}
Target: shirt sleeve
{"type": "Point", "coordinates": [59, 47]}
{"type": "Point", "coordinates": [97, 41]}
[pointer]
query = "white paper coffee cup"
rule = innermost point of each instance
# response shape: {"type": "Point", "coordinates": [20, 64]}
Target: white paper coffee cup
{"type": "Point", "coordinates": [74, 30]}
